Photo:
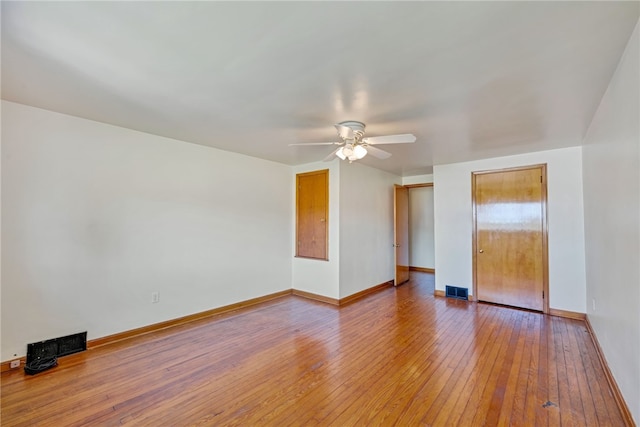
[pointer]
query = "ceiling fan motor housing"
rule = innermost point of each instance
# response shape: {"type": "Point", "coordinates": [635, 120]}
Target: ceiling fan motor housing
{"type": "Point", "coordinates": [357, 127]}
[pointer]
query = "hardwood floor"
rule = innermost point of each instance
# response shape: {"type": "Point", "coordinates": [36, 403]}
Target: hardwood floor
{"type": "Point", "coordinates": [397, 357]}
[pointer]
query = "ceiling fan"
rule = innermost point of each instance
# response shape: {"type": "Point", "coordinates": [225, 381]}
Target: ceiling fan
{"type": "Point", "coordinates": [355, 147]}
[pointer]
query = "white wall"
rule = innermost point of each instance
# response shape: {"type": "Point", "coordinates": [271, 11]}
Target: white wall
{"type": "Point", "coordinates": [611, 173]}
{"type": "Point", "coordinates": [453, 223]}
{"type": "Point", "coordinates": [417, 179]}
{"type": "Point", "coordinates": [95, 218]}
{"type": "Point", "coordinates": [421, 228]}
{"type": "Point", "coordinates": [366, 227]}
{"type": "Point", "coordinates": [360, 232]}
{"type": "Point", "coordinates": [318, 276]}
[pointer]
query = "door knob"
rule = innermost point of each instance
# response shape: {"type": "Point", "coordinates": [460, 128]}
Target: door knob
{"type": "Point", "coordinates": [481, 251]}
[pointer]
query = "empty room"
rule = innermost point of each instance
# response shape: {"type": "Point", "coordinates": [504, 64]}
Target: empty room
{"type": "Point", "coordinates": [320, 213]}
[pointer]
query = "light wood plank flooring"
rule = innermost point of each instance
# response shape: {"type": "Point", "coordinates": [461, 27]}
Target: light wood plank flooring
{"type": "Point", "coordinates": [398, 357]}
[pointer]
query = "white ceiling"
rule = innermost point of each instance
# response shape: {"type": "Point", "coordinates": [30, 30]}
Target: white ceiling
{"type": "Point", "coordinates": [470, 79]}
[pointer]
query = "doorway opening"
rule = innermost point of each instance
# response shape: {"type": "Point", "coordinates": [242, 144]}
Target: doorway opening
{"type": "Point", "coordinates": [413, 230]}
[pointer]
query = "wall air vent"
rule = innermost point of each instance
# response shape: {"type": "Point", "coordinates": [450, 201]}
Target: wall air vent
{"type": "Point", "coordinates": [456, 292]}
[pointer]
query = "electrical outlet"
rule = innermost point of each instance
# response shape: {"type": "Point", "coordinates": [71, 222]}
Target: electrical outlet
{"type": "Point", "coordinates": [593, 301]}
{"type": "Point", "coordinates": [155, 297]}
{"type": "Point", "coordinates": [15, 364]}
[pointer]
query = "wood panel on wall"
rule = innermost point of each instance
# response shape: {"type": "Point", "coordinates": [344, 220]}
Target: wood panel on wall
{"type": "Point", "coordinates": [312, 211]}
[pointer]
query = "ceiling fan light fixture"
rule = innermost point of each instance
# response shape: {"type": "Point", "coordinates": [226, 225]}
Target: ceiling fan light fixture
{"type": "Point", "coordinates": [351, 152]}
{"type": "Point", "coordinates": [347, 150]}
{"type": "Point", "coordinates": [359, 152]}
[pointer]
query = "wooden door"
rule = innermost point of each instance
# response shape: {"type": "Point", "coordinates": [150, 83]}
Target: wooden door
{"type": "Point", "coordinates": [312, 210]}
{"type": "Point", "coordinates": [401, 233]}
{"type": "Point", "coordinates": [510, 244]}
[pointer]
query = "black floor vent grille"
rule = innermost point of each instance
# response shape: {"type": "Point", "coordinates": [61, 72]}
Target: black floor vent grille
{"type": "Point", "coordinates": [456, 292]}
{"type": "Point", "coordinates": [56, 347]}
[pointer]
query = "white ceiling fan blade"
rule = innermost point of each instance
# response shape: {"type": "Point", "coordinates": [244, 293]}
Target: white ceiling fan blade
{"type": "Point", "coordinates": [331, 156]}
{"type": "Point", "coordinates": [315, 143]}
{"type": "Point", "coordinates": [390, 139]}
{"type": "Point", "coordinates": [376, 152]}
{"type": "Point", "coordinates": [344, 132]}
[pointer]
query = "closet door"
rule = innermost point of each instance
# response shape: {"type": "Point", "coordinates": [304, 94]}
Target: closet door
{"type": "Point", "coordinates": [510, 245]}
